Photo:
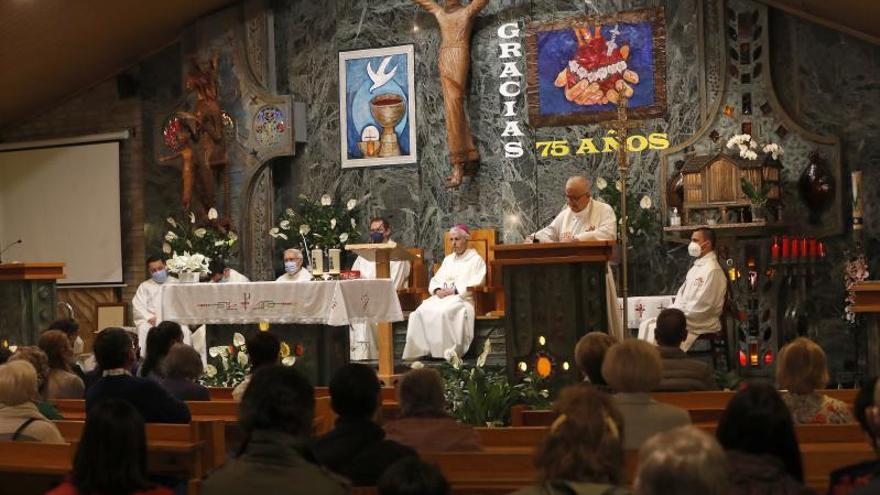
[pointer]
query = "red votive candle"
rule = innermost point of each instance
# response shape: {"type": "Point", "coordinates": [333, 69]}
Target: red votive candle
{"type": "Point", "coordinates": [821, 249]}
{"type": "Point", "coordinates": [813, 248]}
{"type": "Point", "coordinates": [774, 249]}
{"type": "Point", "coordinates": [786, 247]}
{"type": "Point", "coordinates": [804, 251]}
{"type": "Point", "coordinates": [795, 248]}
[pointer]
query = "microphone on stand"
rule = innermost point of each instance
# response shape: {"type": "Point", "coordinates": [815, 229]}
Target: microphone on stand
{"type": "Point", "coordinates": [7, 248]}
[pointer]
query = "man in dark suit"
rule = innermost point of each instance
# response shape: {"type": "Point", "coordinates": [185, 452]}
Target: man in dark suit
{"type": "Point", "coordinates": [680, 373]}
{"type": "Point", "coordinates": [115, 354]}
{"type": "Point", "coordinates": [357, 448]}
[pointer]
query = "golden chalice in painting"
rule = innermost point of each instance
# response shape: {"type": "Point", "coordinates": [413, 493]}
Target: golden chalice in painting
{"type": "Point", "coordinates": [388, 109]}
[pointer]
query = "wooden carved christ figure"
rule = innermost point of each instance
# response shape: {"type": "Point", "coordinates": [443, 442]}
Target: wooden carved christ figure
{"type": "Point", "coordinates": [456, 23]}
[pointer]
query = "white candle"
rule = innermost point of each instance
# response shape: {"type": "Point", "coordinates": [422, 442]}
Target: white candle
{"type": "Point", "coordinates": [334, 261]}
{"type": "Point", "coordinates": [318, 261]}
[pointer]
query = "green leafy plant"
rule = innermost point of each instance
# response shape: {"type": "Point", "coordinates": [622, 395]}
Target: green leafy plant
{"type": "Point", "coordinates": [755, 197]}
{"type": "Point", "coordinates": [643, 223]}
{"type": "Point", "coordinates": [483, 397]}
{"type": "Point", "coordinates": [212, 239]}
{"type": "Point", "coordinates": [228, 365]}
{"type": "Point", "coordinates": [324, 224]}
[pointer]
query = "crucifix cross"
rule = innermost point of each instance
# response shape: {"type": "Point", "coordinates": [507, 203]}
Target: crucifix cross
{"type": "Point", "coordinates": [621, 126]}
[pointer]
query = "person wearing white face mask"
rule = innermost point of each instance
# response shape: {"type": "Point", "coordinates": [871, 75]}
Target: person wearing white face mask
{"type": "Point", "coordinates": [147, 299]}
{"type": "Point", "coordinates": [701, 297]}
{"type": "Point", "coordinates": [293, 267]}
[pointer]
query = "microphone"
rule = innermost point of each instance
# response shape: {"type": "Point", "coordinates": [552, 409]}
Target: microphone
{"type": "Point", "coordinates": [7, 248]}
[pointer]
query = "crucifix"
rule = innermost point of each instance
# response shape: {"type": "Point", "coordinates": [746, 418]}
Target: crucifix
{"type": "Point", "coordinates": [621, 126]}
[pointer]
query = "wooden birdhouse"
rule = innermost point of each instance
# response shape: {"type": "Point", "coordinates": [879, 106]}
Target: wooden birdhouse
{"type": "Point", "coordinates": [713, 186]}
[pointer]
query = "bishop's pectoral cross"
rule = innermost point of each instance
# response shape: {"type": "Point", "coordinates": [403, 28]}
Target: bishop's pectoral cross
{"type": "Point", "coordinates": [621, 127]}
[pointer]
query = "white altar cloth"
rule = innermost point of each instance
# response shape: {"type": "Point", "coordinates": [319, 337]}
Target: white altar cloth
{"type": "Point", "coordinates": [327, 302]}
{"type": "Point", "coordinates": [640, 308]}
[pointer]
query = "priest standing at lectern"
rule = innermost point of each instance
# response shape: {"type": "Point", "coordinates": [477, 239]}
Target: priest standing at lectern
{"type": "Point", "coordinates": [147, 299]}
{"type": "Point", "coordinates": [363, 338]}
{"type": "Point", "coordinates": [701, 297]}
{"type": "Point", "coordinates": [445, 321]}
{"type": "Point", "coordinates": [586, 219]}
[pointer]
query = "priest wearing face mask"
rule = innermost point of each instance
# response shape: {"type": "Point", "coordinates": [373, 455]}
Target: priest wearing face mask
{"type": "Point", "coordinates": [147, 300]}
{"type": "Point", "coordinates": [363, 338]}
{"type": "Point", "coordinates": [293, 267]}
{"type": "Point", "coordinates": [445, 321]}
{"type": "Point", "coordinates": [701, 298]}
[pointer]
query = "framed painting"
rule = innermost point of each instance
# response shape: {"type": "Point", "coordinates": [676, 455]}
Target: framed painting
{"type": "Point", "coordinates": [377, 107]}
{"type": "Point", "coordinates": [579, 68]}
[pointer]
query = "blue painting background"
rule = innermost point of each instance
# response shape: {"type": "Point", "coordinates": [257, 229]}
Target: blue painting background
{"type": "Point", "coordinates": [556, 48]}
{"type": "Point", "coordinates": [358, 96]}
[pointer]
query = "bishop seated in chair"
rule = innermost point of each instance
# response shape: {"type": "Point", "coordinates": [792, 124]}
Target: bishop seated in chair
{"type": "Point", "coordinates": [701, 297]}
{"type": "Point", "coordinates": [445, 321]}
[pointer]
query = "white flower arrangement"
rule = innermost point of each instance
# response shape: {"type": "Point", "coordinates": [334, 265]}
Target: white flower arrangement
{"type": "Point", "coordinates": [774, 150]}
{"type": "Point", "coordinates": [747, 146]}
{"type": "Point", "coordinates": [188, 263]}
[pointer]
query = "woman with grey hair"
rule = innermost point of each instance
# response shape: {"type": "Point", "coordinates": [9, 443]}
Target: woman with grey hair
{"type": "Point", "coordinates": [682, 461]}
{"type": "Point", "coordinates": [19, 417]}
{"type": "Point", "coordinates": [182, 368]}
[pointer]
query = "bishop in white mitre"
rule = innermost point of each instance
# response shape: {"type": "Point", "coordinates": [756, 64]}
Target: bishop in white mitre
{"type": "Point", "coordinates": [701, 297]}
{"type": "Point", "coordinates": [585, 218]}
{"type": "Point", "coordinates": [147, 301]}
{"type": "Point", "coordinates": [445, 321]}
{"type": "Point", "coordinates": [363, 337]}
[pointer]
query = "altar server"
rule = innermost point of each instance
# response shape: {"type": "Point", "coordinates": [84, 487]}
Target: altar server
{"type": "Point", "coordinates": [586, 219]}
{"type": "Point", "coordinates": [445, 321]}
{"type": "Point", "coordinates": [363, 338]}
{"type": "Point", "coordinates": [701, 298]}
{"type": "Point", "coordinates": [294, 271]}
{"type": "Point", "coordinates": [147, 299]}
{"type": "Point", "coordinates": [220, 273]}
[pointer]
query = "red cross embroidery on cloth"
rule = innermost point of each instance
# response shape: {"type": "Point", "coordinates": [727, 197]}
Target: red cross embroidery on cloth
{"type": "Point", "coordinates": [640, 309]}
{"type": "Point", "coordinates": [246, 298]}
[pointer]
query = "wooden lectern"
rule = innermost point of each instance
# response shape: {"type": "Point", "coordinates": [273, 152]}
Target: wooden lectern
{"type": "Point", "coordinates": [382, 255]}
{"type": "Point", "coordinates": [867, 302]}
{"type": "Point", "coordinates": [27, 300]}
{"type": "Point", "coordinates": [555, 293]}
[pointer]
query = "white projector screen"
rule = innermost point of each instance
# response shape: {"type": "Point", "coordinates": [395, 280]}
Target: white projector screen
{"type": "Point", "coordinates": [63, 203]}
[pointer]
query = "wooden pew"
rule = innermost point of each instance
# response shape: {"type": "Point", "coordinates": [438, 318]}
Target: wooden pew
{"type": "Point", "coordinates": [528, 437]}
{"type": "Point", "coordinates": [504, 471]}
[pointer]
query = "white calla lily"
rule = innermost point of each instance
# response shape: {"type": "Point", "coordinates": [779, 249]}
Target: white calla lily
{"type": "Point", "coordinates": [171, 222]}
{"type": "Point", "coordinates": [601, 183]}
{"type": "Point", "coordinates": [289, 361]}
{"type": "Point", "coordinates": [200, 232]}
{"type": "Point", "coordinates": [351, 204]}
{"type": "Point", "coordinates": [192, 217]}
{"type": "Point", "coordinates": [210, 371]}
{"type": "Point", "coordinates": [326, 200]}
{"type": "Point", "coordinates": [304, 229]}
{"type": "Point", "coordinates": [243, 358]}
{"type": "Point", "coordinates": [237, 339]}
{"type": "Point", "coordinates": [645, 203]}
{"type": "Point", "coordinates": [212, 214]}
{"type": "Point", "coordinates": [166, 248]}
{"type": "Point", "coordinates": [285, 225]}
{"type": "Point", "coordinates": [332, 223]}
{"type": "Point", "coordinates": [343, 237]}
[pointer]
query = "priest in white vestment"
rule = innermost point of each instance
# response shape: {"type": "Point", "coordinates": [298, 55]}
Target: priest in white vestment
{"type": "Point", "coordinates": [445, 321]}
{"type": "Point", "coordinates": [363, 337]}
{"type": "Point", "coordinates": [294, 271]}
{"type": "Point", "coordinates": [148, 298]}
{"type": "Point", "coordinates": [220, 273]}
{"type": "Point", "coordinates": [701, 298]}
{"type": "Point", "coordinates": [585, 218]}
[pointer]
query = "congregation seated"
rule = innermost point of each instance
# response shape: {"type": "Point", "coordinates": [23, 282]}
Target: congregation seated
{"type": "Point", "coordinates": [633, 369]}
{"type": "Point", "coordinates": [70, 327]}
{"type": "Point", "coordinates": [61, 382]}
{"type": "Point", "coordinates": [589, 354]}
{"type": "Point", "coordinates": [412, 476]}
{"type": "Point", "coordinates": [159, 341]}
{"type": "Point", "coordinates": [680, 373]}
{"type": "Point", "coordinates": [444, 322]}
{"type": "Point", "coordinates": [758, 435]}
{"type": "Point", "coordinates": [264, 349]}
{"type": "Point", "coordinates": [583, 453]}
{"type": "Point", "coordinates": [115, 353]}
{"type": "Point", "coordinates": [356, 447]}
{"type": "Point", "coordinates": [111, 457]}
{"type": "Point", "coordinates": [38, 359]}
{"type": "Point", "coordinates": [683, 461]}
{"type": "Point", "coordinates": [848, 479]}
{"type": "Point", "coordinates": [801, 370]}
{"type": "Point", "coordinates": [423, 423]}
{"type": "Point", "coordinates": [19, 417]}
{"type": "Point", "coordinates": [182, 367]}
{"type": "Point", "coordinates": [276, 417]}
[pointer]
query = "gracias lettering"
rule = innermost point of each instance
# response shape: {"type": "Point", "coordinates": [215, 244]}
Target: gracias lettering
{"type": "Point", "coordinates": [510, 88]}
{"type": "Point", "coordinates": [606, 144]}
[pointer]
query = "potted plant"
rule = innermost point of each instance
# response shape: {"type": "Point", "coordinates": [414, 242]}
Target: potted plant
{"type": "Point", "coordinates": [758, 199]}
